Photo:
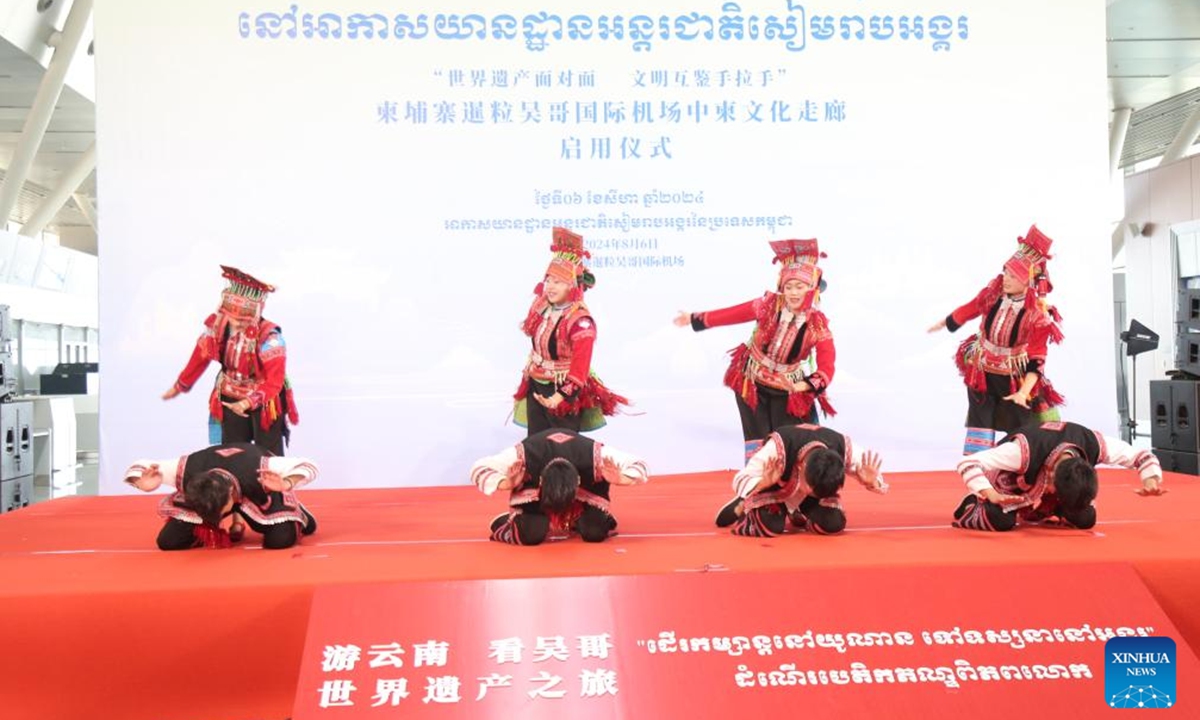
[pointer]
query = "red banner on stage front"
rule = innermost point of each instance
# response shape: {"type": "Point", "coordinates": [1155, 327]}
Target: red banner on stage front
{"type": "Point", "coordinates": [858, 642]}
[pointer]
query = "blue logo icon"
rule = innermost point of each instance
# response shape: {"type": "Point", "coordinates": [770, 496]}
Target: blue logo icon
{"type": "Point", "coordinates": [1139, 672]}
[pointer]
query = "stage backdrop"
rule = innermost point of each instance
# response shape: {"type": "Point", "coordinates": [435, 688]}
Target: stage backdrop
{"type": "Point", "coordinates": [395, 169]}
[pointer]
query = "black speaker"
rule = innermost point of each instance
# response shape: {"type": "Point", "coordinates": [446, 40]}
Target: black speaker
{"type": "Point", "coordinates": [1174, 424]}
{"type": "Point", "coordinates": [1188, 311]}
{"type": "Point", "coordinates": [1180, 462]}
{"type": "Point", "coordinates": [1187, 352]}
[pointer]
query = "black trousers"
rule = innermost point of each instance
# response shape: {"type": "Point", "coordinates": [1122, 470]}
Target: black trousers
{"type": "Point", "coordinates": [976, 514]}
{"type": "Point", "coordinates": [538, 417]}
{"type": "Point", "coordinates": [770, 415]}
{"type": "Point", "coordinates": [771, 520]}
{"type": "Point", "coordinates": [990, 410]}
{"type": "Point", "coordinates": [235, 428]}
{"type": "Point", "coordinates": [179, 535]}
{"type": "Point", "coordinates": [530, 526]}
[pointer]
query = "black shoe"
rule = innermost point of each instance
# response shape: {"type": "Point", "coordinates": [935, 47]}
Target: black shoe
{"type": "Point", "coordinates": [729, 514]}
{"type": "Point", "coordinates": [499, 520]}
{"type": "Point", "coordinates": [310, 522]}
{"type": "Point", "coordinates": [967, 503]}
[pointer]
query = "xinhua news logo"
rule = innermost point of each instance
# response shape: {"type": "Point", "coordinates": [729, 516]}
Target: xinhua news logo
{"type": "Point", "coordinates": [1139, 672]}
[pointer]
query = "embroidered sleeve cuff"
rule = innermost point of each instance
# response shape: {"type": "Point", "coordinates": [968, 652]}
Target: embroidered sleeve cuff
{"type": "Point", "coordinates": [978, 484]}
{"type": "Point", "coordinates": [698, 322]}
{"type": "Point", "coordinates": [744, 484]}
{"type": "Point", "coordinates": [182, 387]}
{"type": "Point", "coordinates": [636, 474]}
{"type": "Point", "coordinates": [486, 479]}
{"type": "Point", "coordinates": [1034, 366]}
{"type": "Point", "coordinates": [951, 325]}
{"type": "Point", "coordinates": [973, 475]}
{"type": "Point", "coordinates": [256, 399]}
{"type": "Point", "coordinates": [569, 390]}
{"type": "Point", "coordinates": [817, 381]}
{"type": "Point", "coordinates": [133, 474]}
{"type": "Point", "coordinates": [1147, 465]}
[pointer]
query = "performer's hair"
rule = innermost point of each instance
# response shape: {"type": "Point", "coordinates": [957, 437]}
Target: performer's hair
{"type": "Point", "coordinates": [825, 472]}
{"type": "Point", "coordinates": [559, 481]}
{"type": "Point", "coordinates": [1075, 483]}
{"type": "Point", "coordinates": [207, 493]}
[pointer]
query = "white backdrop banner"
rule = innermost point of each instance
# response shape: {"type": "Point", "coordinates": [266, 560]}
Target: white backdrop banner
{"type": "Point", "coordinates": [395, 170]}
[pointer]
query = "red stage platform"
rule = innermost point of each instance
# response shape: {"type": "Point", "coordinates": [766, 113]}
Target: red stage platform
{"type": "Point", "coordinates": [96, 621]}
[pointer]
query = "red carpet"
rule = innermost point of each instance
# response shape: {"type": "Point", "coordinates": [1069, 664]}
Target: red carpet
{"type": "Point", "coordinates": [95, 620]}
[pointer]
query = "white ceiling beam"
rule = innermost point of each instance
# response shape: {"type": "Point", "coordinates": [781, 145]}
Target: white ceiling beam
{"type": "Point", "coordinates": [84, 203]}
{"type": "Point", "coordinates": [1116, 138]}
{"type": "Point", "coordinates": [43, 107]}
{"type": "Point", "coordinates": [70, 182]}
{"type": "Point", "coordinates": [1188, 132]}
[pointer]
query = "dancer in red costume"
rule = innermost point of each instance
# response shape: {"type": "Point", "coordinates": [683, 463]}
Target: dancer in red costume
{"type": "Point", "coordinates": [1003, 364]}
{"type": "Point", "coordinates": [252, 399]}
{"type": "Point", "coordinates": [558, 388]}
{"type": "Point", "coordinates": [767, 373]}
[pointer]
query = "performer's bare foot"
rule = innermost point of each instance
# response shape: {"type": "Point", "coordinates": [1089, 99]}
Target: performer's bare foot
{"type": "Point", "coordinates": [731, 512]}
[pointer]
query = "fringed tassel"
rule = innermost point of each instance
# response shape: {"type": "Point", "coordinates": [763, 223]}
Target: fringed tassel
{"type": "Point", "coordinates": [563, 522]}
{"type": "Point", "coordinates": [595, 394]}
{"type": "Point", "coordinates": [534, 316]}
{"type": "Point", "coordinates": [522, 388]}
{"type": "Point", "coordinates": [600, 396]}
{"type": "Point", "coordinates": [1048, 395]}
{"type": "Point", "coordinates": [736, 378]}
{"type": "Point", "coordinates": [269, 413]}
{"type": "Point", "coordinates": [211, 537]}
{"type": "Point", "coordinates": [293, 415]}
{"type": "Point", "coordinates": [1056, 333]}
{"type": "Point", "coordinates": [972, 376]}
{"type": "Point", "coordinates": [800, 404]}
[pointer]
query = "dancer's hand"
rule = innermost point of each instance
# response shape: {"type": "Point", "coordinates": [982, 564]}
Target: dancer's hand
{"type": "Point", "coordinates": [868, 474]}
{"type": "Point", "coordinates": [939, 325]}
{"type": "Point", "coordinates": [993, 495]}
{"type": "Point", "coordinates": [273, 481]}
{"type": "Point", "coordinates": [551, 402]}
{"type": "Point", "coordinates": [150, 480]}
{"type": "Point", "coordinates": [1152, 486]}
{"type": "Point", "coordinates": [241, 407]}
{"type": "Point", "coordinates": [1019, 398]}
{"type": "Point", "coordinates": [171, 393]}
{"type": "Point", "coordinates": [683, 319]}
